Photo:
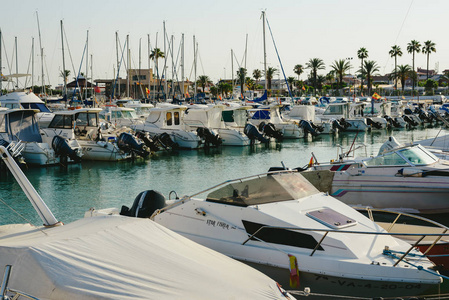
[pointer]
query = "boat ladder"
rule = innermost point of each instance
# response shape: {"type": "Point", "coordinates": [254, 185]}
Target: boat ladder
{"type": "Point", "coordinates": [16, 148]}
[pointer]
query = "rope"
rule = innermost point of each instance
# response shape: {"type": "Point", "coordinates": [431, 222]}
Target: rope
{"type": "Point", "coordinates": [28, 221]}
{"type": "Point", "coordinates": [421, 268]}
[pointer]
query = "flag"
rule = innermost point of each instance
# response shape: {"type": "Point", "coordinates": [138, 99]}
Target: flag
{"type": "Point", "coordinates": [187, 94]}
{"type": "Point", "coordinates": [311, 162]}
{"type": "Point", "coordinates": [97, 89]}
{"type": "Point", "coordinates": [303, 88]}
{"type": "Point", "coordinates": [403, 97]}
{"type": "Point", "coordinates": [147, 91]}
{"type": "Point", "coordinates": [294, 272]}
{"type": "Point", "coordinates": [376, 96]}
{"type": "Point", "coordinates": [219, 97]}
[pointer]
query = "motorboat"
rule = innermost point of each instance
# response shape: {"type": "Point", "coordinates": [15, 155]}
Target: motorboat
{"type": "Point", "coordinates": [421, 232]}
{"type": "Point", "coordinates": [262, 117]}
{"type": "Point", "coordinates": [19, 132]}
{"type": "Point", "coordinates": [406, 178]}
{"type": "Point", "coordinates": [116, 258]}
{"type": "Point", "coordinates": [282, 225]}
{"type": "Point", "coordinates": [167, 119]}
{"type": "Point", "coordinates": [119, 116]}
{"type": "Point", "coordinates": [28, 100]}
{"type": "Point", "coordinates": [208, 121]}
{"type": "Point", "coordinates": [83, 126]}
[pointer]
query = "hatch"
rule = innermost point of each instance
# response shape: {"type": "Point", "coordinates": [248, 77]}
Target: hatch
{"type": "Point", "coordinates": [331, 218]}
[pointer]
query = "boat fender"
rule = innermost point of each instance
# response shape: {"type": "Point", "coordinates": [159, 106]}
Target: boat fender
{"type": "Point", "coordinates": [294, 271]}
{"type": "Point", "coordinates": [407, 172]}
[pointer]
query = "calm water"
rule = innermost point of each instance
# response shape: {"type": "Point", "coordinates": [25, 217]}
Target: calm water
{"type": "Point", "coordinates": [72, 191]}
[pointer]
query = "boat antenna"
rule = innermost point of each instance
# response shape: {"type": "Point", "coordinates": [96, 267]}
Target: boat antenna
{"type": "Point", "coordinates": [39, 205]}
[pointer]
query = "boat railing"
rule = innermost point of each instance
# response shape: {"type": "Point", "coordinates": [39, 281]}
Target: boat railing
{"type": "Point", "coordinates": [5, 291]}
{"type": "Point", "coordinates": [386, 251]}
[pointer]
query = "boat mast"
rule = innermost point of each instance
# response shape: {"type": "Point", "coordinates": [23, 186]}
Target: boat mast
{"type": "Point", "coordinates": [92, 79]}
{"type": "Point", "coordinates": [264, 52]}
{"type": "Point", "coordinates": [118, 62]}
{"type": "Point", "coordinates": [140, 62]}
{"type": "Point", "coordinates": [149, 68]}
{"type": "Point", "coordinates": [64, 92]}
{"type": "Point", "coordinates": [32, 64]}
{"type": "Point", "coordinates": [232, 73]}
{"type": "Point", "coordinates": [194, 67]}
{"type": "Point", "coordinates": [87, 65]}
{"type": "Point", "coordinates": [164, 73]}
{"type": "Point", "coordinates": [182, 66]}
{"type": "Point", "coordinates": [1, 73]}
{"type": "Point", "coordinates": [42, 58]}
{"type": "Point", "coordinates": [17, 64]}
{"type": "Point", "coordinates": [172, 68]}
{"type": "Point", "coordinates": [127, 65]}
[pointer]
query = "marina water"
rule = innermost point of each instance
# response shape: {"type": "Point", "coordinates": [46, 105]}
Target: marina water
{"type": "Point", "coordinates": [70, 192]}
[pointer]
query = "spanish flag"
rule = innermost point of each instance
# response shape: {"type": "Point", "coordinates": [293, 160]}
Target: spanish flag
{"type": "Point", "coordinates": [147, 90]}
{"type": "Point", "coordinates": [311, 162]}
{"type": "Point", "coordinates": [303, 88]}
{"type": "Point", "coordinates": [294, 271]}
{"type": "Point", "coordinates": [376, 96]}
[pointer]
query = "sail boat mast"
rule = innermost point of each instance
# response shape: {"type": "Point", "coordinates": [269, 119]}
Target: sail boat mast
{"type": "Point", "coordinates": [87, 65]}
{"type": "Point", "coordinates": [1, 73]}
{"type": "Point", "coordinates": [64, 92]}
{"type": "Point", "coordinates": [42, 57]}
{"type": "Point", "coordinates": [182, 65]}
{"type": "Point", "coordinates": [17, 64]}
{"type": "Point", "coordinates": [264, 52]}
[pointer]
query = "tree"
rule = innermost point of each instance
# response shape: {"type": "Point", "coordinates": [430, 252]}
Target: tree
{"type": "Point", "coordinates": [340, 67]}
{"type": "Point", "coordinates": [404, 72]}
{"type": "Point", "coordinates": [362, 54]}
{"type": "Point", "coordinates": [241, 75]}
{"type": "Point", "coordinates": [395, 52]}
{"type": "Point", "coordinates": [298, 69]}
{"type": "Point", "coordinates": [412, 47]}
{"type": "Point", "coordinates": [257, 74]}
{"type": "Point", "coordinates": [203, 81]}
{"type": "Point", "coordinates": [224, 88]}
{"type": "Point", "coordinates": [369, 69]}
{"type": "Point", "coordinates": [291, 81]}
{"type": "Point", "coordinates": [315, 64]}
{"type": "Point", "coordinates": [156, 53]}
{"type": "Point", "coordinates": [250, 83]}
{"type": "Point", "coordinates": [428, 48]}
{"type": "Point", "coordinates": [269, 77]}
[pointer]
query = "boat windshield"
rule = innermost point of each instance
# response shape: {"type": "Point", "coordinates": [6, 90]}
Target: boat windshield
{"type": "Point", "coordinates": [411, 155]}
{"type": "Point", "coordinates": [40, 106]}
{"type": "Point", "coordinates": [271, 188]}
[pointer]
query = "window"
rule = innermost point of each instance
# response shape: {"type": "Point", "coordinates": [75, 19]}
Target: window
{"type": "Point", "coordinates": [61, 121]}
{"type": "Point", "coordinates": [2, 123]}
{"type": "Point", "coordinates": [92, 119]}
{"type": "Point", "coordinates": [169, 119]}
{"type": "Point", "coordinates": [391, 159]}
{"type": "Point", "coordinates": [176, 113]}
{"type": "Point", "coordinates": [81, 119]}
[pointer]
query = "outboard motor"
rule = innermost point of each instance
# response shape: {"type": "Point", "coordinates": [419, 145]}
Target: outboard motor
{"type": "Point", "coordinates": [128, 143]}
{"type": "Point", "coordinates": [309, 127]}
{"type": "Point", "coordinates": [166, 142]}
{"type": "Point", "coordinates": [408, 111]}
{"type": "Point", "coordinates": [392, 122]}
{"type": "Point", "coordinates": [208, 136]}
{"type": "Point", "coordinates": [271, 131]}
{"type": "Point", "coordinates": [410, 121]}
{"type": "Point", "coordinates": [63, 149]}
{"type": "Point", "coordinates": [374, 124]}
{"type": "Point", "coordinates": [145, 137]}
{"type": "Point", "coordinates": [253, 134]}
{"type": "Point", "coordinates": [423, 115]}
{"type": "Point", "coordinates": [341, 124]}
{"type": "Point", "coordinates": [145, 204]}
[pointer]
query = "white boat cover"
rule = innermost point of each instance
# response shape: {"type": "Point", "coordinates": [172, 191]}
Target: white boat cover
{"type": "Point", "coordinates": [115, 257]}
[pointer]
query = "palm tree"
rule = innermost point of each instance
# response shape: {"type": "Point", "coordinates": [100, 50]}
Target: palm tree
{"type": "Point", "coordinates": [290, 81]}
{"type": "Point", "coordinates": [428, 48]}
{"type": "Point", "coordinates": [404, 71]}
{"type": "Point", "coordinates": [257, 74]}
{"type": "Point", "coordinates": [395, 52]}
{"type": "Point", "coordinates": [250, 83]}
{"type": "Point", "coordinates": [315, 64]}
{"type": "Point", "coordinates": [362, 53]}
{"type": "Point", "coordinates": [156, 53]}
{"type": "Point", "coordinates": [270, 73]}
{"type": "Point", "coordinates": [330, 77]}
{"type": "Point", "coordinates": [241, 75]}
{"type": "Point", "coordinates": [298, 69]}
{"type": "Point", "coordinates": [369, 68]}
{"type": "Point", "coordinates": [340, 67]}
{"type": "Point", "coordinates": [203, 80]}
{"type": "Point", "coordinates": [412, 47]}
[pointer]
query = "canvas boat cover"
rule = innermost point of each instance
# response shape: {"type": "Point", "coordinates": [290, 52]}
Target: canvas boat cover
{"type": "Point", "coordinates": [116, 257]}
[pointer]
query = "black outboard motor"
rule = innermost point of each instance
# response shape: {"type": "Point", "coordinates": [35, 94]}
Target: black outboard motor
{"type": "Point", "coordinates": [253, 134]}
{"type": "Point", "coordinates": [166, 142]}
{"type": "Point", "coordinates": [423, 115]}
{"type": "Point", "coordinates": [410, 121]}
{"type": "Point", "coordinates": [145, 137]}
{"type": "Point", "coordinates": [309, 127]}
{"type": "Point", "coordinates": [209, 137]}
{"type": "Point", "coordinates": [126, 142]}
{"type": "Point", "coordinates": [341, 124]}
{"type": "Point", "coordinates": [392, 122]}
{"type": "Point", "coordinates": [374, 124]}
{"type": "Point", "coordinates": [63, 149]}
{"type": "Point", "coordinates": [145, 204]}
{"type": "Point", "coordinates": [271, 131]}
{"type": "Point", "coordinates": [408, 111]}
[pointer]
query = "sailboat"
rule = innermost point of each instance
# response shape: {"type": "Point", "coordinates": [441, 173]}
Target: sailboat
{"type": "Point", "coordinates": [116, 257]}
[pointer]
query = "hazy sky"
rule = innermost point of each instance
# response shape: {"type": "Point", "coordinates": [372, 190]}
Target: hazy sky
{"type": "Point", "coordinates": [325, 29]}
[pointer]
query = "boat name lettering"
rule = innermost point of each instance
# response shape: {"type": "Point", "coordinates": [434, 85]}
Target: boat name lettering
{"type": "Point", "coordinates": [217, 224]}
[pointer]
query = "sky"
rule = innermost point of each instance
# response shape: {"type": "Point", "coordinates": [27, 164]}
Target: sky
{"type": "Point", "coordinates": [301, 30]}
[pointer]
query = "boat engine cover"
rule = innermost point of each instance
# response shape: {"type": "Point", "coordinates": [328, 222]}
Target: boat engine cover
{"type": "Point", "coordinates": [145, 204]}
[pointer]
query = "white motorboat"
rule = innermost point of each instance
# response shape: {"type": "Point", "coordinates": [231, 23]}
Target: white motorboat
{"type": "Point", "coordinates": [28, 100]}
{"type": "Point", "coordinates": [116, 258]}
{"type": "Point", "coordinates": [261, 117]}
{"type": "Point", "coordinates": [119, 116]}
{"type": "Point", "coordinates": [19, 131]}
{"type": "Point", "coordinates": [211, 118]}
{"type": "Point", "coordinates": [408, 178]}
{"type": "Point", "coordinates": [83, 126]}
{"type": "Point", "coordinates": [168, 119]}
{"type": "Point", "coordinates": [282, 225]}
